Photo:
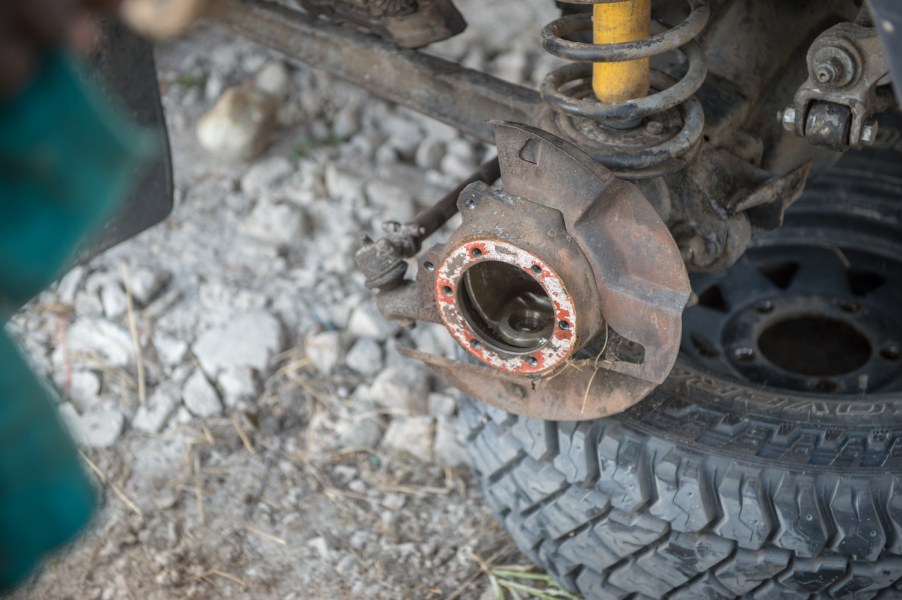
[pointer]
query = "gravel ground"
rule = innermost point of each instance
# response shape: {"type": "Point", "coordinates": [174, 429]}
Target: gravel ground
{"type": "Point", "coordinates": [268, 441]}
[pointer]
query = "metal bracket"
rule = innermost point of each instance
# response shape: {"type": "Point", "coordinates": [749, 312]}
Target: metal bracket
{"type": "Point", "coordinates": [836, 104]}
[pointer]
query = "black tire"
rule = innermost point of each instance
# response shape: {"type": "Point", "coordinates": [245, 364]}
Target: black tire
{"type": "Point", "coordinates": [718, 487]}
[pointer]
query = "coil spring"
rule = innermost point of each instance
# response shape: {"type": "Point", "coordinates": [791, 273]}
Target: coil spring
{"type": "Point", "coordinates": [568, 91]}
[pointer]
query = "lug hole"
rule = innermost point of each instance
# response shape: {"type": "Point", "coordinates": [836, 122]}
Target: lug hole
{"type": "Point", "coordinates": [765, 307]}
{"type": "Point", "coordinates": [536, 270]}
{"type": "Point", "coordinates": [565, 325]}
{"type": "Point", "coordinates": [744, 354]}
{"type": "Point", "coordinates": [531, 361]}
{"type": "Point", "coordinates": [447, 290]}
{"type": "Point", "coordinates": [848, 306]}
{"type": "Point", "coordinates": [475, 343]}
{"type": "Point", "coordinates": [890, 351]}
{"type": "Point", "coordinates": [476, 253]}
{"type": "Point", "coordinates": [428, 266]}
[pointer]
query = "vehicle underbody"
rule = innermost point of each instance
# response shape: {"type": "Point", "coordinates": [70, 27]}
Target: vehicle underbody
{"type": "Point", "coordinates": [582, 256]}
{"type": "Point", "coordinates": [675, 290]}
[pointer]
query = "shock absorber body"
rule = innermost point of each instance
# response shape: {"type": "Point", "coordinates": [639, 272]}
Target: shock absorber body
{"type": "Point", "coordinates": [638, 121]}
{"type": "Point", "coordinates": [613, 23]}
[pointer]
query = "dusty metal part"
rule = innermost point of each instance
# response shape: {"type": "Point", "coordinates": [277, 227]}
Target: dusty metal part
{"type": "Point", "coordinates": [408, 23]}
{"type": "Point", "coordinates": [382, 261]}
{"type": "Point", "coordinates": [721, 200]}
{"type": "Point", "coordinates": [566, 269]}
{"type": "Point", "coordinates": [613, 141]}
{"type": "Point", "coordinates": [578, 257]}
{"type": "Point", "coordinates": [838, 101]}
{"type": "Point", "coordinates": [571, 397]}
{"type": "Point", "coordinates": [461, 97]}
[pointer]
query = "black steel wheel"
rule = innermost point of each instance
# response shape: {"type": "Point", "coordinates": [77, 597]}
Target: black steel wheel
{"type": "Point", "coordinates": [769, 465]}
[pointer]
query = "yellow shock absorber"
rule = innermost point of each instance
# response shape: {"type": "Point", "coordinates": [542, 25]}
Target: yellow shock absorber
{"type": "Point", "coordinates": [615, 22]}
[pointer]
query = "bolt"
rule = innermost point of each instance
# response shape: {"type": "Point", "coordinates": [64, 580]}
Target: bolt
{"type": "Point", "coordinates": [831, 71]}
{"type": "Point", "coordinates": [869, 132]}
{"type": "Point", "coordinates": [789, 118]}
{"type": "Point", "coordinates": [827, 73]}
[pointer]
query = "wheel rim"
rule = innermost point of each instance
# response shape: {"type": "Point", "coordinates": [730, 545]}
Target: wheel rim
{"type": "Point", "coordinates": [818, 314]}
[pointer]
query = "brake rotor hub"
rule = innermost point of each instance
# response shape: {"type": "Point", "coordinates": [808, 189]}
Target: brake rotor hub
{"type": "Point", "coordinates": [567, 264]}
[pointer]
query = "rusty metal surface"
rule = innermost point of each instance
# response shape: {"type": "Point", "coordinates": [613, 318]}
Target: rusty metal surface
{"type": "Point", "coordinates": [584, 255]}
{"type": "Point", "coordinates": [582, 393]}
{"type": "Point", "coordinates": [460, 97]}
{"type": "Point", "coordinates": [643, 285]}
{"type": "Point", "coordinates": [846, 64]}
{"type": "Point", "coordinates": [408, 23]}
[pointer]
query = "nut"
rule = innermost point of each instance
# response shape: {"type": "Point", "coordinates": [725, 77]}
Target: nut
{"type": "Point", "coordinates": [869, 132]}
{"type": "Point", "coordinates": [789, 119]}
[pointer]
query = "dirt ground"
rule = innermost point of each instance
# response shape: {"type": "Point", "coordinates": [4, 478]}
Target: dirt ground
{"type": "Point", "coordinates": [267, 440]}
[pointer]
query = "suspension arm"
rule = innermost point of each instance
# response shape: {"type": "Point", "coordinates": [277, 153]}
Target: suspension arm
{"type": "Point", "coordinates": [463, 98]}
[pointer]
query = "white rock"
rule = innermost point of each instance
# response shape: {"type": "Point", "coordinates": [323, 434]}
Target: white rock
{"type": "Point", "coordinates": [457, 167]}
{"type": "Point", "coordinates": [447, 448]}
{"type": "Point", "coordinates": [386, 154]}
{"type": "Point", "coordinates": [403, 134]}
{"type": "Point", "coordinates": [367, 321]}
{"type": "Point", "coordinates": [200, 397]}
{"type": "Point", "coordinates": [346, 122]}
{"type": "Point", "coordinates": [68, 285]}
{"type": "Point", "coordinates": [273, 79]}
{"type": "Point", "coordinates": [511, 66]}
{"type": "Point", "coordinates": [237, 384]}
{"type": "Point", "coordinates": [278, 225]}
{"type": "Point", "coordinates": [434, 339]}
{"type": "Point", "coordinates": [395, 201]}
{"type": "Point", "coordinates": [113, 299]}
{"type": "Point", "coordinates": [265, 174]}
{"type": "Point", "coordinates": [85, 390]}
{"type": "Point", "coordinates": [438, 130]}
{"type": "Point", "coordinates": [239, 124]}
{"type": "Point", "coordinates": [170, 350]}
{"type": "Point", "coordinates": [365, 357]}
{"type": "Point", "coordinates": [248, 340]}
{"type": "Point", "coordinates": [410, 434]}
{"type": "Point", "coordinates": [96, 429]}
{"type": "Point", "coordinates": [87, 304]}
{"type": "Point", "coordinates": [441, 405]}
{"type": "Point", "coordinates": [321, 546]}
{"type": "Point", "coordinates": [475, 59]}
{"type": "Point", "coordinates": [224, 57]}
{"type": "Point", "coordinates": [343, 185]}
{"type": "Point", "coordinates": [403, 387]}
{"type": "Point", "coordinates": [214, 86]}
{"type": "Point", "coordinates": [429, 153]}
{"type": "Point", "coordinates": [152, 417]}
{"type": "Point", "coordinates": [364, 433]}
{"type": "Point", "coordinates": [100, 339]}
{"type": "Point", "coordinates": [324, 350]}
{"type": "Point", "coordinates": [146, 284]}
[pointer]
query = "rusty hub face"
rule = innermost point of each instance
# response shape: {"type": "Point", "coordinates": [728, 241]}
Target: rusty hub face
{"type": "Point", "coordinates": [506, 306]}
{"type": "Point", "coordinates": [566, 266]}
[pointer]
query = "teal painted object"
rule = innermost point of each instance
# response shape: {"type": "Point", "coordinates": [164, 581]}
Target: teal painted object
{"type": "Point", "coordinates": [66, 159]}
{"type": "Point", "coordinates": [45, 497]}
